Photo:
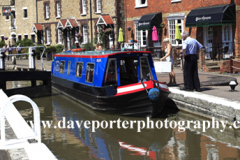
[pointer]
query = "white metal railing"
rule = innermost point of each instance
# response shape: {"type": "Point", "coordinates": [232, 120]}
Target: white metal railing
{"type": "Point", "coordinates": [30, 53]}
{"type": "Point", "coordinates": [36, 116]}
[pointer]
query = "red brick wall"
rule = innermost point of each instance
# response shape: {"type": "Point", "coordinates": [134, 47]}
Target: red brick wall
{"type": "Point", "coordinates": [165, 6]}
{"type": "Point", "coordinates": [225, 66]}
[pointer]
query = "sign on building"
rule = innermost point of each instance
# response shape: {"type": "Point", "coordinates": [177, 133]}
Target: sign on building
{"type": "Point", "coordinates": [6, 11]}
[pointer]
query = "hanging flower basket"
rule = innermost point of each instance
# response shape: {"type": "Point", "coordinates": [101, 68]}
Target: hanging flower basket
{"type": "Point", "coordinates": [6, 38]}
{"type": "Point", "coordinates": [107, 30]}
{"type": "Point", "coordinates": [162, 25]}
{"type": "Point", "coordinates": [129, 28]}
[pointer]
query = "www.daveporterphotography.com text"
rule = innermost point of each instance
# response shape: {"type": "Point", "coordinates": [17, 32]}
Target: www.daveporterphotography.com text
{"type": "Point", "coordinates": [181, 125]}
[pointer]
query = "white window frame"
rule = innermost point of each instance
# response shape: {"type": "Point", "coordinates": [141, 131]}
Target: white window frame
{"type": "Point", "coordinates": [59, 36]}
{"type": "Point", "coordinates": [84, 7]}
{"type": "Point", "coordinates": [47, 10]}
{"type": "Point", "coordinates": [99, 6]}
{"type": "Point", "coordinates": [76, 38]}
{"type": "Point", "coordinates": [85, 34]}
{"type": "Point", "coordinates": [139, 5]}
{"type": "Point", "coordinates": [141, 35]}
{"type": "Point", "coordinates": [174, 1]}
{"type": "Point", "coordinates": [25, 8]}
{"type": "Point", "coordinates": [230, 34]}
{"type": "Point", "coordinates": [48, 36]}
{"type": "Point", "coordinates": [58, 9]}
{"type": "Point", "coordinates": [175, 20]}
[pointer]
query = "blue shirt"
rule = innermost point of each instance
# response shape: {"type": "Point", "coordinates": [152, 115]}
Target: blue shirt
{"type": "Point", "coordinates": [191, 45]}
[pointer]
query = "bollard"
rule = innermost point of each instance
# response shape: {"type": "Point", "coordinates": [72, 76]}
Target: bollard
{"type": "Point", "coordinates": [2, 61]}
{"type": "Point", "coordinates": [32, 58]}
{"type": "Point", "coordinates": [14, 60]}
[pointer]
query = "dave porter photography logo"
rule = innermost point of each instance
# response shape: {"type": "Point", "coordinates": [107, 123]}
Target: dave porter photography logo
{"type": "Point", "coordinates": [203, 18]}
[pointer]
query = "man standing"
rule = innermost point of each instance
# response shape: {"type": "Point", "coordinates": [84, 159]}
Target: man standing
{"type": "Point", "coordinates": [190, 49]}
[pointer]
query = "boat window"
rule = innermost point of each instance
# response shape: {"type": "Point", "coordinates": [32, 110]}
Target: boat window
{"type": "Point", "coordinates": [111, 76]}
{"type": "Point", "coordinates": [146, 74]}
{"type": "Point", "coordinates": [62, 66]}
{"type": "Point", "coordinates": [90, 71]}
{"type": "Point", "coordinates": [69, 67]}
{"type": "Point", "coordinates": [79, 69]}
{"type": "Point", "coordinates": [128, 70]}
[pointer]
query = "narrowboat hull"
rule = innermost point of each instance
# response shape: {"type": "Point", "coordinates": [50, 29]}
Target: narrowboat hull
{"type": "Point", "coordinates": [105, 99]}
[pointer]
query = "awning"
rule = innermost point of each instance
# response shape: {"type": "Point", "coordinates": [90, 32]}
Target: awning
{"type": "Point", "coordinates": [105, 19]}
{"type": "Point", "coordinates": [149, 20]}
{"type": "Point", "coordinates": [61, 23]}
{"type": "Point", "coordinates": [212, 16]}
{"type": "Point", "coordinates": [37, 27]}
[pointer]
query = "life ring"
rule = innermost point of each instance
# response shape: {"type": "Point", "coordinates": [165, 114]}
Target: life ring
{"type": "Point", "coordinates": [78, 50]}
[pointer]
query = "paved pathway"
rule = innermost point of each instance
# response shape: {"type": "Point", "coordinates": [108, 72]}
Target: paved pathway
{"type": "Point", "coordinates": [209, 81]}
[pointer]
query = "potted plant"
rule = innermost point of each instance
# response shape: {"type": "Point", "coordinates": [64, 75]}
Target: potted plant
{"type": "Point", "coordinates": [129, 28]}
{"type": "Point", "coordinates": [162, 25]}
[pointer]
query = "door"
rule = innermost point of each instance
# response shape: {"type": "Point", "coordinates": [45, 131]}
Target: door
{"type": "Point", "coordinates": [208, 40]}
{"type": "Point", "coordinates": [111, 72]}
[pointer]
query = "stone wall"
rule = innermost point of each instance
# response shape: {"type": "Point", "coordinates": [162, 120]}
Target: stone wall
{"type": "Point", "coordinates": [23, 25]}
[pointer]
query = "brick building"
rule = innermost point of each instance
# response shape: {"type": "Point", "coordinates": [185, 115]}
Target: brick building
{"type": "Point", "coordinates": [197, 17]}
{"type": "Point", "coordinates": [59, 21]}
{"type": "Point", "coordinates": [19, 25]}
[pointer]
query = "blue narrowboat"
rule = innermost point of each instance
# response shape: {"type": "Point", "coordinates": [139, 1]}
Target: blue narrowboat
{"type": "Point", "coordinates": [120, 82]}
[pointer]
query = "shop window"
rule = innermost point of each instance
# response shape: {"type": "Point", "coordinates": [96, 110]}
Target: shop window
{"type": "Point", "coordinates": [85, 34]}
{"type": "Point", "coordinates": [111, 72]}
{"type": "Point", "coordinates": [141, 36]}
{"type": "Point", "coordinates": [59, 36]}
{"type": "Point", "coordinates": [84, 7]}
{"type": "Point", "coordinates": [58, 8]}
{"type": "Point", "coordinates": [69, 67]}
{"type": "Point", "coordinates": [140, 3]}
{"type": "Point", "coordinates": [90, 72]}
{"type": "Point", "coordinates": [79, 69]}
{"type": "Point", "coordinates": [171, 30]}
{"type": "Point", "coordinates": [62, 66]}
{"type": "Point", "coordinates": [146, 74]}
{"type": "Point", "coordinates": [226, 33]}
{"type": "Point", "coordinates": [99, 6]}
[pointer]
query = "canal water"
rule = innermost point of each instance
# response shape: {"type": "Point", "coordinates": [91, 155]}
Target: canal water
{"type": "Point", "coordinates": [76, 143]}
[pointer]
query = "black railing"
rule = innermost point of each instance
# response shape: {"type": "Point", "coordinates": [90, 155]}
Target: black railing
{"type": "Point", "coordinates": [221, 51]}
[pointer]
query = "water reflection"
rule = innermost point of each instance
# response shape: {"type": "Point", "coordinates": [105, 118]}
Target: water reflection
{"type": "Point", "coordinates": [152, 144]}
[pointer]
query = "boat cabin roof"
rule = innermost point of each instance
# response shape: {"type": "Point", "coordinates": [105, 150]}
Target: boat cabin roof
{"type": "Point", "coordinates": [98, 54]}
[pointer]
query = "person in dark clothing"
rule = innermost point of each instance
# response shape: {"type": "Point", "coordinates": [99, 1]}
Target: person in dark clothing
{"type": "Point", "coordinates": [9, 51]}
{"type": "Point", "coordinates": [190, 49]}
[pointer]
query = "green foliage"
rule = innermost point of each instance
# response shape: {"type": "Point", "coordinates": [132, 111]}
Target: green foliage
{"type": "Point", "coordinates": [25, 43]}
{"type": "Point", "coordinates": [88, 46]}
{"type": "Point", "coordinates": [50, 51]}
{"type": "Point", "coordinates": [39, 51]}
{"type": "Point", "coordinates": [59, 48]}
{"type": "Point", "coordinates": [2, 43]}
